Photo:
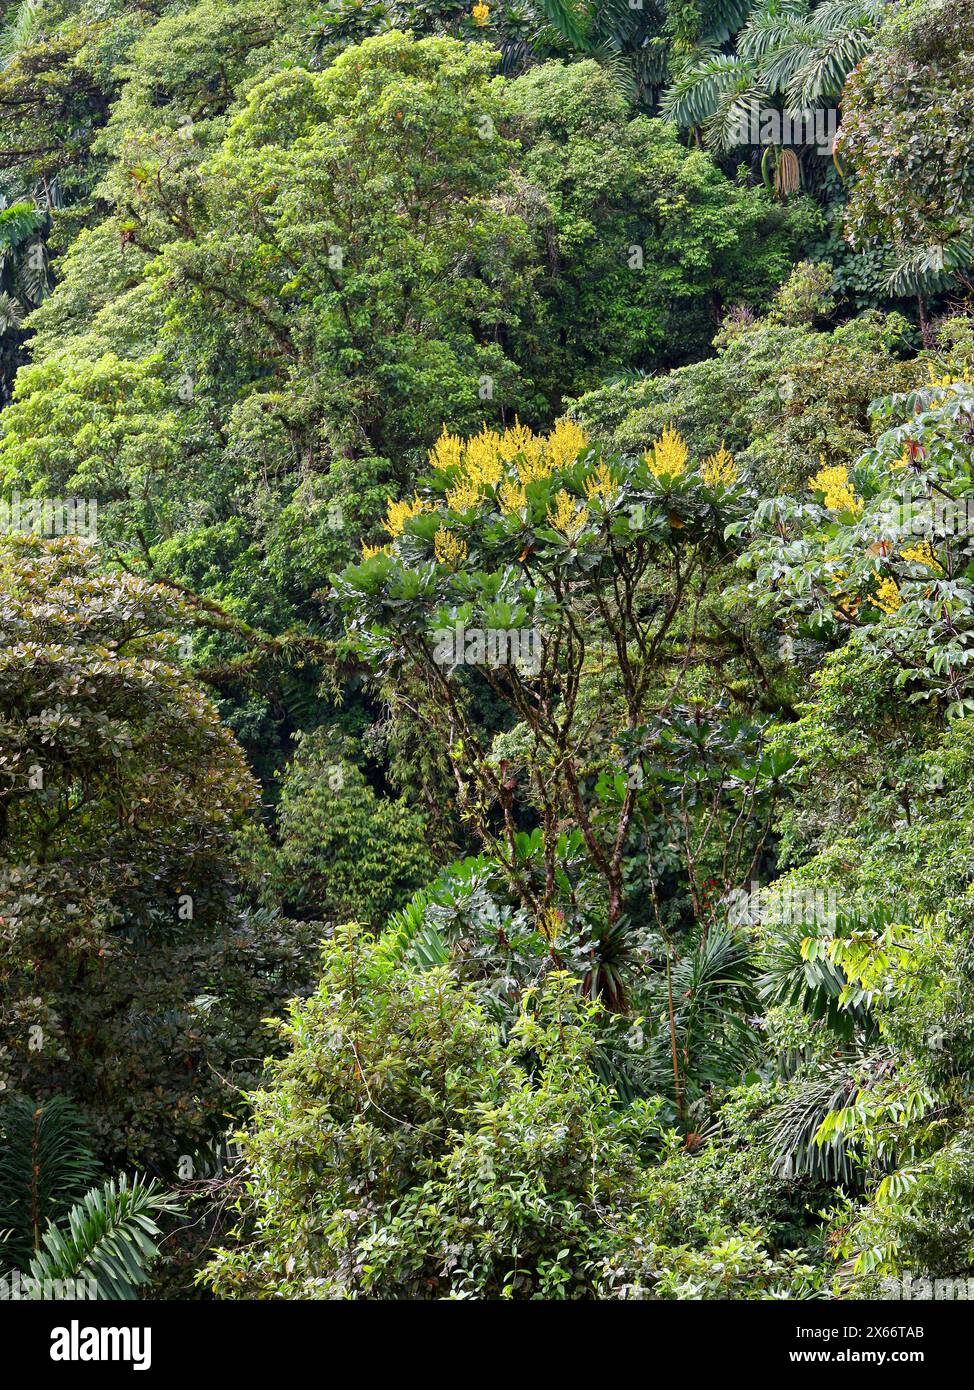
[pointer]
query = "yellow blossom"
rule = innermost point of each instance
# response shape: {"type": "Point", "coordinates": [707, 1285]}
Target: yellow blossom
{"type": "Point", "coordinates": [903, 461]}
{"type": "Point", "coordinates": [565, 518]}
{"type": "Point", "coordinates": [463, 496]}
{"type": "Point", "coordinates": [398, 513]}
{"type": "Point", "coordinates": [369, 552]}
{"type": "Point", "coordinates": [888, 596]}
{"type": "Point", "coordinates": [480, 12]}
{"type": "Point", "coordinates": [512, 496]}
{"type": "Point", "coordinates": [834, 483]}
{"type": "Point", "coordinates": [948, 379]}
{"type": "Point", "coordinates": [522, 447]}
{"type": "Point", "coordinates": [447, 451]}
{"type": "Point", "coordinates": [447, 549]}
{"type": "Point", "coordinates": [482, 460]}
{"type": "Point", "coordinates": [669, 456]}
{"type": "Point", "coordinates": [719, 470]}
{"type": "Point", "coordinates": [550, 924]}
{"type": "Point", "coordinates": [564, 444]}
{"type": "Point", "coordinates": [602, 483]}
{"type": "Point", "coordinates": [922, 554]}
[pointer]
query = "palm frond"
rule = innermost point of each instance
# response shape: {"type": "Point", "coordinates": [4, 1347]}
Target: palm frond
{"type": "Point", "coordinates": [768, 29]}
{"type": "Point", "coordinates": [567, 19]}
{"type": "Point", "coordinates": [814, 986]}
{"type": "Point", "coordinates": [20, 31]}
{"type": "Point", "coordinates": [795, 1122]}
{"type": "Point", "coordinates": [18, 223]}
{"type": "Point", "coordinates": [737, 114]}
{"type": "Point", "coordinates": [11, 313]}
{"type": "Point", "coordinates": [109, 1240]}
{"type": "Point", "coordinates": [723, 18]}
{"type": "Point", "coordinates": [46, 1165]}
{"type": "Point", "coordinates": [826, 65]}
{"type": "Point", "coordinates": [930, 269]}
{"type": "Point", "coordinates": [696, 92]}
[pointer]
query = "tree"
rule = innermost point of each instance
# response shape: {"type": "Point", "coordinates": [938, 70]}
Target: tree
{"type": "Point", "coordinates": [643, 243]}
{"type": "Point", "coordinates": [907, 143]}
{"type": "Point", "coordinates": [799, 53]}
{"type": "Point", "coordinates": [345, 853]}
{"type": "Point", "coordinates": [127, 966]}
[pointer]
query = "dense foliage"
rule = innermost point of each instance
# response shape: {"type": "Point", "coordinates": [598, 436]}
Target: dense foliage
{"type": "Point", "coordinates": [486, 633]}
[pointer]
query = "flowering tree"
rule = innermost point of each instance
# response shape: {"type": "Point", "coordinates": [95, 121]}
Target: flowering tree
{"type": "Point", "coordinates": [887, 550]}
{"type": "Point", "coordinates": [571, 584]}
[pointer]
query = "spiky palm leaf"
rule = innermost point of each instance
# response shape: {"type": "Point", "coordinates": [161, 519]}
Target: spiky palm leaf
{"type": "Point", "coordinates": [696, 93]}
{"type": "Point", "coordinates": [771, 27]}
{"type": "Point", "coordinates": [20, 32]}
{"type": "Point", "coordinates": [46, 1165]}
{"type": "Point", "coordinates": [815, 986]}
{"type": "Point", "coordinates": [786, 50]}
{"type": "Point", "coordinates": [843, 34]}
{"type": "Point", "coordinates": [107, 1240]}
{"type": "Point", "coordinates": [930, 269]}
{"type": "Point", "coordinates": [566, 19]}
{"type": "Point", "coordinates": [795, 1122]}
{"type": "Point", "coordinates": [723, 18]}
{"type": "Point", "coordinates": [737, 112]}
{"type": "Point", "coordinates": [714, 1000]}
{"type": "Point", "coordinates": [18, 223]}
{"type": "Point", "coordinates": [11, 313]}
{"type": "Point", "coordinates": [32, 281]}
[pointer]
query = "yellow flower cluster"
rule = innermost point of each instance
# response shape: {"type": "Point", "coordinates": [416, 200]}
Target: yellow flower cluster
{"type": "Point", "coordinates": [447, 549]}
{"type": "Point", "coordinates": [447, 452]}
{"type": "Point", "coordinates": [502, 464]}
{"type": "Point", "coordinates": [719, 470]}
{"type": "Point", "coordinates": [948, 379]}
{"type": "Point", "coordinates": [602, 483]}
{"type": "Point", "coordinates": [481, 459]}
{"type": "Point", "coordinates": [669, 454]}
{"type": "Point", "coordinates": [512, 459]}
{"type": "Point", "coordinates": [922, 554]}
{"type": "Point", "coordinates": [512, 497]}
{"type": "Point", "coordinates": [565, 518]}
{"type": "Point", "coordinates": [888, 596]}
{"type": "Point", "coordinates": [480, 12]}
{"type": "Point", "coordinates": [550, 924]}
{"type": "Point", "coordinates": [398, 513]}
{"type": "Point", "coordinates": [369, 552]}
{"type": "Point", "coordinates": [563, 445]}
{"type": "Point", "coordinates": [834, 482]}
{"type": "Point", "coordinates": [464, 495]}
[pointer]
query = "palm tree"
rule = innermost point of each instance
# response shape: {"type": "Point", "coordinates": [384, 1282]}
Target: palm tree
{"type": "Point", "coordinates": [56, 1229]}
{"type": "Point", "coordinates": [792, 52]}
